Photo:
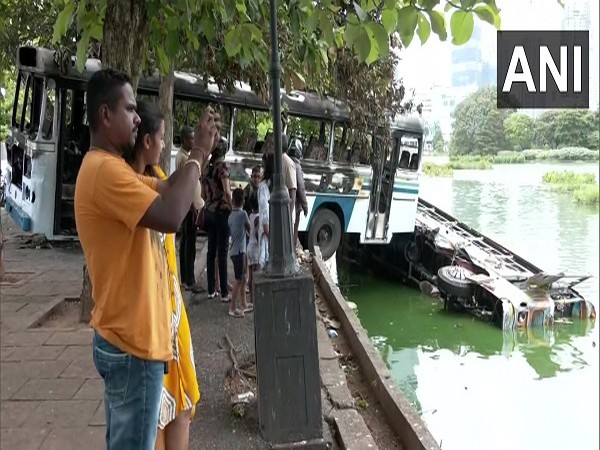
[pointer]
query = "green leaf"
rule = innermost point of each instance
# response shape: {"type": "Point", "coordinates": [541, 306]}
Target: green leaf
{"type": "Point", "coordinates": [82, 46]}
{"type": "Point", "coordinates": [461, 24]}
{"type": "Point", "coordinates": [255, 31]}
{"type": "Point", "coordinates": [492, 5]}
{"type": "Point", "coordinates": [326, 29]}
{"type": "Point", "coordinates": [232, 42]}
{"type": "Point", "coordinates": [96, 31]}
{"type": "Point", "coordinates": [389, 19]}
{"type": "Point", "coordinates": [362, 15]}
{"type": "Point", "coordinates": [163, 60]}
{"type": "Point", "coordinates": [438, 24]}
{"type": "Point", "coordinates": [193, 39]}
{"type": "Point", "coordinates": [312, 21]}
{"type": "Point", "coordinates": [63, 20]}
{"type": "Point", "coordinates": [362, 45]}
{"type": "Point", "coordinates": [381, 38]}
{"type": "Point", "coordinates": [208, 27]}
{"type": "Point", "coordinates": [407, 20]}
{"type": "Point", "coordinates": [485, 13]}
{"type": "Point", "coordinates": [429, 4]}
{"type": "Point", "coordinates": [172, 44]}
{"type": "Point", "coordinates": [324, 56]}
{"type": "Point", "coordinates": [423, 28]}
{"type": "Point", "coordinates": [352, 33]}
{"type": "Point", "coordinates": [370, 6]}
{"type": "Point", "coordinates": [390, 4]}
{"type": "Point", "coordinates": [339, 37]}
{"type": "Point", "coordinates": [448, 7]}
{"type": "Point", "coordinates": [466, 4]}
{"type": "Point", "coordinates": [241, 7]}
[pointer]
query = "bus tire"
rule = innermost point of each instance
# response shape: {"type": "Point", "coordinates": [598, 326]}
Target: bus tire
{"type": "Point", "coordinates": [325, 232]}
{"type": "Point", "coordinates": [452, 280]}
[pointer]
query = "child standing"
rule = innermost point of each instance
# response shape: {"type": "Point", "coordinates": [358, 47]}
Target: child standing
{"type": "Point", "coordinates": [253, 251]}
{"type": "Point", "coordinates": [239, 226]}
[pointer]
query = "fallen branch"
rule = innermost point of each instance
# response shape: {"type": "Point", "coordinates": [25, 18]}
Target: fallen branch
{"type": "Point", "coordinates": [236, 368]}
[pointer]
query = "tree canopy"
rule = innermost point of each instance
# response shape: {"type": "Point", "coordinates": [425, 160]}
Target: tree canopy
{"type": "Point", "coordinates": [345, 48]}
{"type": "Point", "coordinates": [478, 126]}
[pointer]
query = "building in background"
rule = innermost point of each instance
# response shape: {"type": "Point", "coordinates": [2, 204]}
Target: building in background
{"type": "Point", "coordinates": [577, 17]}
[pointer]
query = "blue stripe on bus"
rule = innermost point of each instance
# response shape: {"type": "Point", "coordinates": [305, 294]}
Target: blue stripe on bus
{"type": "Point", "coordinates": [345, 203]}
{"type": "Point", "coordinates": [406, 191]}
{"type": "Point", "coordinates": [18, 215]}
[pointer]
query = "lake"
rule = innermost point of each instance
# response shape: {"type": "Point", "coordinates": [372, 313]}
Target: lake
{"type": "Point", "coordinates": [476, 386]}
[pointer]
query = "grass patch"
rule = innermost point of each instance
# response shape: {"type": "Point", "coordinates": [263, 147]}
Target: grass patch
{"type": "Point", "coordinates": [470, 162]}
{"type": "Point", "coordinates": [582, 186]}
{"type": "Point", "coordinates": [530, 155]}
{"type": "Point", "coordinates": [508, 157]}
{"type": "Point", "coordinates": [587, 195]}
{"type": "Point", "coordinates": [437, 170]}
{"type": "Point", "coordinates": [562, 154]}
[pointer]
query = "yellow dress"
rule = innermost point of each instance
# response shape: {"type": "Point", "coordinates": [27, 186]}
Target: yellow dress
{"type": "Point", "coordinates": [180, 390]}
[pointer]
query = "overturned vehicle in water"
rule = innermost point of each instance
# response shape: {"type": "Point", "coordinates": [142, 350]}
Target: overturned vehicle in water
{"type": "Point", "coordinates": [472, 273]}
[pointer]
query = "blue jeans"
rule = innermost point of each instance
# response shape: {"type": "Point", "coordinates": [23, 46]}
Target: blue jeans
{"type": "Point", "coordinates": [132, 390]}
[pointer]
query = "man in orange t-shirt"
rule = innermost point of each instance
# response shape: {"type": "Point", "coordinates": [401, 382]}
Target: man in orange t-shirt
{"type": "Point", "coordinates": [120, 220]}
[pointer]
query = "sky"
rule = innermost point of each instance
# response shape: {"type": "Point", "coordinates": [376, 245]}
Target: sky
{"type": "Point", "coordinates": [422, 66]}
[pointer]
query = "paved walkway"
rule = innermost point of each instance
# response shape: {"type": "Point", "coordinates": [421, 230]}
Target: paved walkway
{"type": "Point", "coordinates": [51, 394]}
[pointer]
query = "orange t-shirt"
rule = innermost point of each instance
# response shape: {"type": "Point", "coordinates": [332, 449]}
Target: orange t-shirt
{"type": "Point", "coordinates": [127, 263]}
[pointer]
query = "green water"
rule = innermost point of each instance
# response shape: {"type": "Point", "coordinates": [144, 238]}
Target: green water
{"type": "Point", "coordinates": [475, 386]}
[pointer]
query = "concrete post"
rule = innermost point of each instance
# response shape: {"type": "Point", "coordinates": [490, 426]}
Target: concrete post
{"type": "Point", "coordinates": [287, 362]}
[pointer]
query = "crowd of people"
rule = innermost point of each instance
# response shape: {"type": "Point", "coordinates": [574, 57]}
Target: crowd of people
{"type": "Point", "coordinates": [127, 213]}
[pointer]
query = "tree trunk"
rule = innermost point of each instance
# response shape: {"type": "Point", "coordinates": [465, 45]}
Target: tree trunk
{"type": "Point", "coordinates": [123, 48]}
{"type": "Point", "coordinates": [125, 37]}
{"type": "Point", "coordinates": [165, 101]}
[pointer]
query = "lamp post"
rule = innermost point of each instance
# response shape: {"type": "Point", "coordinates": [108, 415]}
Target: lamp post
{"type": "Point", "coordinates": [287, 359]}
{"type": "Point", "coordinates": [281, 249]}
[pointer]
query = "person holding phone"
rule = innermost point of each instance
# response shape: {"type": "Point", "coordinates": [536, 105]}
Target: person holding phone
{"type": "Point", "coordinates": [119, 217]}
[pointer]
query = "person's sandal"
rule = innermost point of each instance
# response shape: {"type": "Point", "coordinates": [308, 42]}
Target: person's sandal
{"type": "Point", "coordinates": [249, 309]}
{"type": "Point", "coordinates": [237, 313]}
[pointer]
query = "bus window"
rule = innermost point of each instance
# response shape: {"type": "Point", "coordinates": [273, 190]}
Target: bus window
{"type": "Point", "coordinates": [47, 119]}
{"type": "Point", "coordinates": [251, 130]}
{"type": "Point", "coordinates": [360, 145]}
{"type": "Point", "coordinates": [314, 135]}
{"type": "Point", "coordinates": [341, 151]}
{"type": "Point", "coordinates": [409, 153]}
{"type": "Point", "coordinates": [32, 105]}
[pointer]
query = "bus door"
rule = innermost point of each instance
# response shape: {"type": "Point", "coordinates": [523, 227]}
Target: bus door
{"type": "Point", "coordinates": [384, 164]}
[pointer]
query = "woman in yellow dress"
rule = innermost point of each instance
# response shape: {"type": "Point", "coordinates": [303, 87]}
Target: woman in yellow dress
{"type": "Point", "coordinates": [180, 390]}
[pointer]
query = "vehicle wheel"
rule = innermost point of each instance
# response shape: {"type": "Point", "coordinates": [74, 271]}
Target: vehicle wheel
{"type": "Point", "coordinates": [452, 280]}
{"type": "Point", "coordinates": [325, 232]}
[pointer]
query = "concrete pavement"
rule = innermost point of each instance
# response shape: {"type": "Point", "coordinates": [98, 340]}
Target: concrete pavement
{"type": "Point", "coordinates": [51, 393]}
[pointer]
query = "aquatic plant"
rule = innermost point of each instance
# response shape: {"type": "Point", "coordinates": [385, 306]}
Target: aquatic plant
{"type": "Point", "coordinates": [473, 162]}
{"type": "Point", "coordinates": [437, 170]}
{"type": "Point", "coordinates": [583, 186]}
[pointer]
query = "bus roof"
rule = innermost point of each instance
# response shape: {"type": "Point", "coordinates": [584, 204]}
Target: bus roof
{"type": "Point", "coordinates": [191, 86]}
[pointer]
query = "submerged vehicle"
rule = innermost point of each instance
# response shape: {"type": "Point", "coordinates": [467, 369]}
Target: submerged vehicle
{"type": "Point", "coordinates": [475, 274]}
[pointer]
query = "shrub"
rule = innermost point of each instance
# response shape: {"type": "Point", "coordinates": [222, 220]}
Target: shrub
{"type": "Point", "coordinates": [583, 186]}
{"type": "Point", "coordinates": [562, 154]}
{"type": "Point", "coordinates": [437, 170]}
{"type": "Point", "coordinates": [587, 195]}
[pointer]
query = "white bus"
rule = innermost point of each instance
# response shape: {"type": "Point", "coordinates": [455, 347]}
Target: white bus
{"type": "Point", "coordinates": [357, 184]}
